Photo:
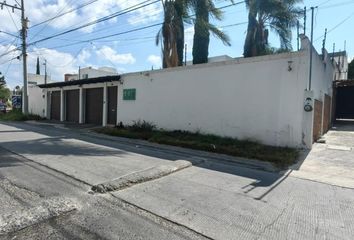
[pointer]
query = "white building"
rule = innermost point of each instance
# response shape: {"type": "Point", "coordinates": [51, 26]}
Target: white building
{"type": "Point", "coordinates": [34, 79]}
{"type": "Point", "coordinates": [89, 72]}
{"type": "Point", "coordinates": [260, 98]}
{"type": "Point", "coordinates": [341, 61]}
{"type": "Point", "coordinates": [215, 59]}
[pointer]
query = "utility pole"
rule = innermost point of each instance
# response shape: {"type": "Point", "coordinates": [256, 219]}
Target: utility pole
{"type": "Point", "coordinates": [311, 46]}
{"type": "Point", "coordinates": [24, 50]}
{"type": "Point", "coordinates": [24, 59]}
{"type": "Point", "coordinates": [45, 71]}
{"type": "Point", "coordinates": [305, 15]}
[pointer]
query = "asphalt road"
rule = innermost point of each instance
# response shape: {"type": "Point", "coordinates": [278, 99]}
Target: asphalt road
{"type": "Point", "coordinates": [25, 184]}
{"type": "Point", "coordinates": [47, 171]}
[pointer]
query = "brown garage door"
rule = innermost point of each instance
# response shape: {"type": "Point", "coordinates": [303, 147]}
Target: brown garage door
{"type": "Point", "coordinates": [112, 105]}
{"type": "Point", "coordinates": [72, 106]}
{"type": "Point", "coordinates": [55, 106]}
{"type": "Point", "coordinates": [94, 106]}
{"type": "Point", "coordinates": [327, 113]}
{"type": "Point", "coordinates": [317, 120]}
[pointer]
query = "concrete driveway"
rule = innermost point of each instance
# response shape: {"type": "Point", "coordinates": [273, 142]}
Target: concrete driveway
{"type": "Point", "coordinates": [331, 162]}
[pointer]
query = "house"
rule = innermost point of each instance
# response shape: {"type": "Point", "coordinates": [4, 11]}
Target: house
{"type": "Point", "coordinates": [89, 72]}
{"type": "Point", "coordinates": [221, 58]}
{"type": "Point", "coordinates": [341, 61]}
{"type": "Point", "coordinates": [36, 79]}
{"type": "Point", "coordinates": [269, 99]}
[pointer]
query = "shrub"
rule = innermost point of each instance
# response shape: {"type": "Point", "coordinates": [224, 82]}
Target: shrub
{"type": "Point", "coordinates": [142, 126]}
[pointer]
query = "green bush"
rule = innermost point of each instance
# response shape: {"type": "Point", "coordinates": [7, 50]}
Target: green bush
{"type": "Point", "coordinates": [17, 115]}
{"type": "Point", "coordinates": [142, 126]}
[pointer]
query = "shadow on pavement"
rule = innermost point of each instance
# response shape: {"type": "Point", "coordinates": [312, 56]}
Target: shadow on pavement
{"type": "Point", "coordinates": [56, 142]}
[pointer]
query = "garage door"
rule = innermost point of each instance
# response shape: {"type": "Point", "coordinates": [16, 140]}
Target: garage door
{"type": "Point", "coordinates": [94, 106]}
{"type": "Point", "coordinates": [72, 105]}
{"type": "Point", "coordinates": [317, 120]}
{"type": "Point", "coordinates": [112, 105]}
{"type": "Point", "coordinates": [345, 102]}
{"type": "Point", "coordinates": [55, 106]}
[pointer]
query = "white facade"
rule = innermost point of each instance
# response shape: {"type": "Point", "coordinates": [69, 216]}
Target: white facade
{"type": "Point", "coordinates": [90, 72]}
{"type": "Point", "coordinates": [260, 98]}
{"type": "Point", "coordinates": [34, 79]}
{"type": "Point", "coordinates": [37, 101]}
{"type": "Point", "coordinates": [215, 59]}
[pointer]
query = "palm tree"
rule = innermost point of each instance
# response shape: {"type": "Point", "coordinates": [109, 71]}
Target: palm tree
{"type": "Point", "coordinates": [172, 32]}
{"type": "Point", "coordinates": [204, 9]}
{"type": "Point", "coordinates": [167, 35]}
{"type": "Point", "coordinates": [279, 15]}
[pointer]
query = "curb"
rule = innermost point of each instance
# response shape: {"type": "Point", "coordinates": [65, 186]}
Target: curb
{"type": "Point", "coordinates": [141, 177]}
{"type": "Point", "coordinates": [207, 156]}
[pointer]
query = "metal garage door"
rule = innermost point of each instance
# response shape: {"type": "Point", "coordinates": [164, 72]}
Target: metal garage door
{"type": "Point", "coordinates": [112, 105]}
{"type": "Point", "coordinates": [94, 106]}
{"type": "Point", "coordinates": [345, 102]}
{"type": "Point", "coordinates": [72, 105]}
{"type": "Point", "coordinates": [55, 106]}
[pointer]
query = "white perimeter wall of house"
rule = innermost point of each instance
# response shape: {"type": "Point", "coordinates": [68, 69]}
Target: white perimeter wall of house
{"type": "Point", "coordinates": [36, 101]}
{"type": "Point", "coordinates": [256, 98]}
{"type": "Point", "coordinates": [322, 76]}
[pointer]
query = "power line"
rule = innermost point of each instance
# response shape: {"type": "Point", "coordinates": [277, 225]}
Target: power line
{"type": "Point", "coordinates": [337, 5]}
{"type": "Point", "coordinates": [13, 21]}
{"type": "Point", "coordinates": [107, 36]}
{"type": "Point", "coordinates": [121, 33]}
{"type": "Point", "coordinates": [119, 13]}
{"type": "Point", "coordinates": [63, 14]}
{"type": "Point", "coordinates": [10, 34]}
{"type": "Point", "coordinates": [338, 25]}
{"type": "Point", "coordinates": [44, 27]}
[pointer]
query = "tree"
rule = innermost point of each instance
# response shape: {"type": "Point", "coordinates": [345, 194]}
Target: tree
{"type": "Point", "coordinates": [5, 93]}
{"type": "Point", "coordinates": [278, 15]}
{"type": "Point", "coordinates": [351, 70]}
{"type": "Point", "coordinates": [38, 70]}
{"type": "Point", "coordinates": [204, 9]}
{"type": "Point", "coordinates": [172, 32]}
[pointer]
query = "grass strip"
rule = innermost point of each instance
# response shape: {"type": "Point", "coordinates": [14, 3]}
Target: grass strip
{"type": "Point", "coordinates": [16, 115]}
{"type": "Point", "coordinates": [280, 156]}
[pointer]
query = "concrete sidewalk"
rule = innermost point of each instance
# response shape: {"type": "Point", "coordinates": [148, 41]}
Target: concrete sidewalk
{"type": "Point", "coordinates": [227, 202]}
{"type": "Point", "coordinates": [216, 199]}
{"type": "Point", "coordinates": [331, 162]}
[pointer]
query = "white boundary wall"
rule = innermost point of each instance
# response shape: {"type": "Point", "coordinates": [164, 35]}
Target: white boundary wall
{"type": "Point", "coordinates": [37, 101]}
{"type": "Point", "coordinates": [259, 98]}
{"type": "Point", "coordinates": [255, 98]}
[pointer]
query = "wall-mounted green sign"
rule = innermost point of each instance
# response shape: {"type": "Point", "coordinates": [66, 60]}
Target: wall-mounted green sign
{"type": "Point", "coordinates": [129, 94]}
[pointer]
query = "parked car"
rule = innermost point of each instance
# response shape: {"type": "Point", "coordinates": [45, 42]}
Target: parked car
{"type": "Point", "coordinates": [3, 107]}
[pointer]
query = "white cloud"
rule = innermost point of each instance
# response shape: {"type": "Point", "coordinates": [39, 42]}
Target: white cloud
{"type": "Point", "coordinates": [155, 60]}
{"type": "Point", "coordinates": [83, 56]}
{"type": "Point", "coordinates": [41, 10]}
{"type": "Point", "coordinates": [110, 54]}
{"type": "Point", "coordinates": [58, 63]}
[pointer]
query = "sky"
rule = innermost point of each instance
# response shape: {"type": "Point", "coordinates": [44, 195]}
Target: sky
{"type": "Point", "coordinates": [131, 51]}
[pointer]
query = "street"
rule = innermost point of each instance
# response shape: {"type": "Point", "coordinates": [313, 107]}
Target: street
{"type": "Point", "coordinates": [47, 172]}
